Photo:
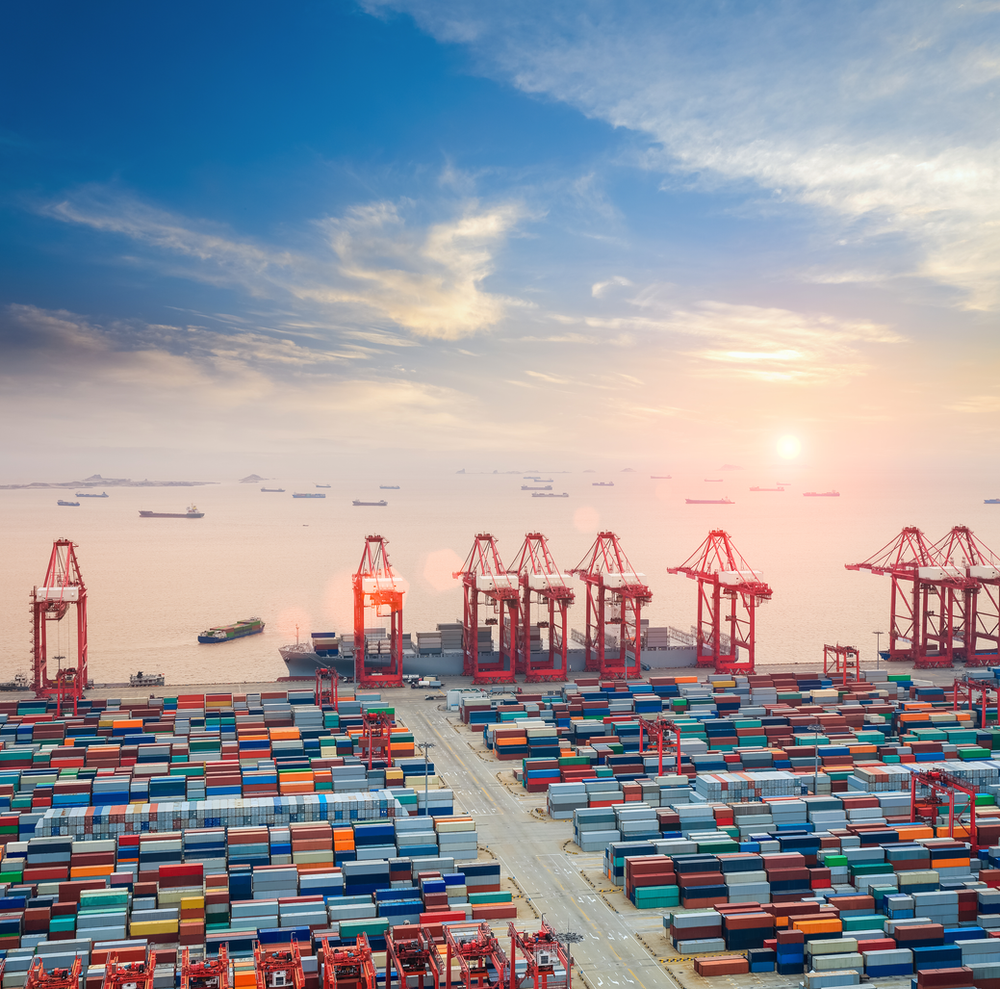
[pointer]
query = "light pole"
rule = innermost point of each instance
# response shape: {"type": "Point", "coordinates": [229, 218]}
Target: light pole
{"type": "Point", "coordinates": [568, 938]}
{"type": "Point", "coordinates": [818, 729]}
{"type": "Point", "coordinates": [425, 746]}
{"type": "Point", "coordinates": [878, 654]}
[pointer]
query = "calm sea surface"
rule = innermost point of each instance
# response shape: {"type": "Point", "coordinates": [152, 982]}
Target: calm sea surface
{"type": "Point", "coordinates": [154, 584]}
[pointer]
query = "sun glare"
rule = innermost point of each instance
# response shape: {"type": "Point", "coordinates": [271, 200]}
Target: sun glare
{"type": "Point", "coordinates": [789, 447]}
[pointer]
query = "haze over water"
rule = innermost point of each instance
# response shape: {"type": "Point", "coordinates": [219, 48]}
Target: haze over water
{"type": "Point", "coordinates": [154, 584]}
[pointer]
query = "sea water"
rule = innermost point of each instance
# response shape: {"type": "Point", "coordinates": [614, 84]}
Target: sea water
{"type": "Point", "coordinates": [154, 584]}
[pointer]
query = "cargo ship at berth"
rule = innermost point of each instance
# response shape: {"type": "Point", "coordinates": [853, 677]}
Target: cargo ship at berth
{"type": "Point", "coordinates": [191, 513]}
{"type": "Point", "coordinates": [440, 653]}
{"type": "Point", "coordinates": [708, 501]}
{"type": "Point", "coordinates": [226, 633]}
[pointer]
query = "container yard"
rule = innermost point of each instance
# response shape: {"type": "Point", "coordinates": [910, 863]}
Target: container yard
{"type": "Point", "coordinates": [802, 829]}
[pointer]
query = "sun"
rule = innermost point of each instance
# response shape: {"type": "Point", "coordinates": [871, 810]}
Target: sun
{"type": "Point", "coordinates": [789, 447]}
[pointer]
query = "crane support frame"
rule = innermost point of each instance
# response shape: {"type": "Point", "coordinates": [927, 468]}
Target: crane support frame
{"type": "Point", "coordinates": [615, 594]}
{"type": "Point", "coordinates": [544, 585]}
{"type": "Point", "coordinates": [63, 588]}
{"type": "Point", "coordinates": [729, 592]}
{"type": "Point", "coordinates": [485, 579]}
{"type": "Point", "coordinates": [376, 586]}
{"type": "Point", "coordinates": [327, 692]}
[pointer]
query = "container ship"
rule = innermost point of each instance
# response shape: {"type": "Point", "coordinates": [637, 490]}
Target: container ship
{"type": "Point", "coordinates": [991, 501]}
{"type": "Point", "coordinates": [191, 513]}
{"type": "Point", "coordinates": [370, 504]}
{"type": "Point", "coordinates": [820, 494]}
{"type": "Point", "coordinates": [440, 653]}
{"type": "Point", "coordinates": [779, 488]}
{"type": "Point", "coordinates": [226, 633]}
{"type": "Point", "coordinates": [273, 490]}
{"type": "Point", "coordinates": [308, 494]}
{"type": "Point", "coordinates": [541, 494]}
{"type": "Point", "coordinates": [87, 494]}
{"type": "Point", "coordinates": [708, 501]}
{"type": "Point", "coordinates": [68, 504]}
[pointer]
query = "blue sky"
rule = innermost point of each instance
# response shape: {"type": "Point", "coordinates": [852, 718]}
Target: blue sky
{"type": "Point", "coordinates": [462, 232]}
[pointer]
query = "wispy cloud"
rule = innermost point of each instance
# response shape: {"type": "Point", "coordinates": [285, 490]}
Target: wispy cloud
{"type": "Point", "coordinates": [372, 266]}
{"type": "Point", "coordinates": [879, 115]}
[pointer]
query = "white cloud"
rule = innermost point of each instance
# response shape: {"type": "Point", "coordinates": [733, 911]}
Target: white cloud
{"type": "Point", "coordinates": [600, 289]}
{"type": "Point", "coordinates": [881, 115]}
{"type": "Point", "coordinates": [374, 266]}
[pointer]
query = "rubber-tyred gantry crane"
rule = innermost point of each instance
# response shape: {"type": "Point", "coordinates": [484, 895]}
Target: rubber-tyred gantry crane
{"type": "Point", "coordinates": [546, 963]}
{"type": "Point", "coordinates": [377, 587]}
{"type": "Point", "coordinates": [840, 663]}
{"type": "Point", "coordinates": [129, 975]}
{"type": "Point", "coordinates": [326, 691]}
{"type": "Point", "coordinates": [484, 575]}
{"type": "Point", "coordinates": [278, 967]}
{"type": "Point", "coordinates": [414, 960]}
{"type": "Point", "coordinates": [984, 688]}
{"type": "Point", "coordinates": [63, 587]}
{"type": "Point", "coordinates": [376, 738]}
{"type": "Point", "coordinates": [56, 978]}
{"type": "Point", "coordinates": [654, 729]}
{"type": "Point", "coordinates": [729, 591]}
{"type": "Point", "coordinates": [615, 596]}
{"type": "Point", "coordinates": [482, 961]}
{"type": "Point", "coordinates": [545, 585]}
{"type": "Point", "coordinates": [977, 606]}
{"type": "Point", "coordinates": [213, 973]}
{"type": "Point", "coordinates": [925, 808]}
{"type": "Point", "coordinates": [924, 593]}
{"type": "Point", "coordinates": [349, 967]}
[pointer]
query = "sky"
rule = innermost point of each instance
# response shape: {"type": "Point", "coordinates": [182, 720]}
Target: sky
{"type": "Point", "coordinates": [240, 236]}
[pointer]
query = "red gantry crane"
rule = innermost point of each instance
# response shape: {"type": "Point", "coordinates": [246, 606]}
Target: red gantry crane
{"type": "Point", "coordinates": [326, 692]}
{"type": "Point", "coordinates": [377, 587]}
{"type": "Point", "coordinates": [543, 584]}
{"type": "Point", "coordinates": [976, 609]}
{"type": "Point", "coordinates": [483, 574]}
{"type": "Point", "coordinates": [924, 591]}
{"type": "Point", "coordinates": [129, 975]}
{"type": "Point", "coordinates": [546, 963]}
{"type": "Point", "coordinates": [482, 961]}
{"type": "Point", "coordinates": [415, 960]}
{"type": "Point", "coordinates": [615, 596]}
{"type": "Point", "coordinates": [376, 738]}
{"type": "Point", "coordinates": [840, 663]}
{"type": "Point", "coordinates": [213, 973]}
{"type": "Point", "coordinates": [278, 966]}
{"type": "Point", "coordinates": [57, 978]}
{"type": "Point", "coordinates": [349, 968]}
{"type": "Point", "coordinates": [729, 591]}
{"type": "Point", "coordinates": [925, 808]}
{"type": "Point", "coordinates": [63, 586]}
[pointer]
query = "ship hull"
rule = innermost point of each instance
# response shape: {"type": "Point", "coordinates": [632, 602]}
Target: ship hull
{"type": "Point", "coordinates": [304, 662]}
{"type": "Point", "coordinates": [238, 631]}
{"type": "Point", "coordinates": [171, 515]}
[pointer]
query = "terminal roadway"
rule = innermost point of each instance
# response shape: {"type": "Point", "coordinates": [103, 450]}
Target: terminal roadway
{"type": "Point", "coordinates": [531, 851]}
